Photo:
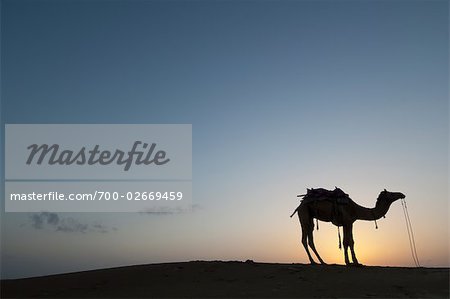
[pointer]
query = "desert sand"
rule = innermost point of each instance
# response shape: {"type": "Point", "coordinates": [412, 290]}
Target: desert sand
{"type": "Point", "coordinates": [237, 279]}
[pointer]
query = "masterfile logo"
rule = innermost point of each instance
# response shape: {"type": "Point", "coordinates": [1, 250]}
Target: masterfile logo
{"type": "Point", "coordinates": [84, 152]}
{"type": "Point", "coordinates": [113, 168]}
{"type": "Point", "coordinates": [53, 155]}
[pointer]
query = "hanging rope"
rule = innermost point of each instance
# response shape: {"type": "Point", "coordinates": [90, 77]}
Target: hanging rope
{"type": "Point", "coordinates": [339, 236]}
{"type": "Point", "coordinates": [412, 243]}
{"type": "Point", "coordinates": [375, 219]}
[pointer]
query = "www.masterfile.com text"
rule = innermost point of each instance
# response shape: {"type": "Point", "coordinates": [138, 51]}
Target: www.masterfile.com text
{"type": "Point", "coordinates": [99, 195]}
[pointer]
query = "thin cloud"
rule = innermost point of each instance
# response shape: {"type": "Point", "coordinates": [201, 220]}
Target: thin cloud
{"type": "Point", "coordinates": [47, 220]}
{"type": "Point", "coordinates": [170, 210]}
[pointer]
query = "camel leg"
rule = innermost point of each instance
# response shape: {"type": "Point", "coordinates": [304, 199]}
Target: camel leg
{"type": "Point", "coordinates": [307, 225]}
{"type": "Point", "coordinates": [313, 247]}
{"type": "Point", "coordinates": [352, 244]}
{"type": "Point", "coordinates": [346, 243]}
{"type": "Point", "coordinates": [305, 242]}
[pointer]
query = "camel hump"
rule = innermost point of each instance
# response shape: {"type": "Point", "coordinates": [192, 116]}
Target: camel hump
{"type": "Point", "coordinates": [317, 194]}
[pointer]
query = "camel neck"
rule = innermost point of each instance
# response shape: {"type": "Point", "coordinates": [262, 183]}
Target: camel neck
{"type": "Point", "coordinates": [363, 213]}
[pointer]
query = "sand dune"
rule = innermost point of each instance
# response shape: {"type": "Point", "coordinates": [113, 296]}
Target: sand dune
{"type": "Point", "coordinates": [236, 279]}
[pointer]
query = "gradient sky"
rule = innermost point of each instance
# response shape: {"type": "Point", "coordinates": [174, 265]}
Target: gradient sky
{"type": "Point", "coordinates": [282, 95]}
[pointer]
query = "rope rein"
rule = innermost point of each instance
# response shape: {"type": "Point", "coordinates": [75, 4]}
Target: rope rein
{"type": "Point", "coordinates": [412, 243]}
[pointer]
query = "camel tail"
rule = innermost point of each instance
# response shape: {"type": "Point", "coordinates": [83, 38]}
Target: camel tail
{"type": "Point", "coordinates": [295, 211]}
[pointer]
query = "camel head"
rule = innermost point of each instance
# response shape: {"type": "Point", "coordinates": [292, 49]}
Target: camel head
{"type": "Point", "coordinates": [389, 197]}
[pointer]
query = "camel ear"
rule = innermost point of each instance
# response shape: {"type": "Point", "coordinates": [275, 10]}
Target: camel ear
{"type": "Point", "coordinates": [385, 190]}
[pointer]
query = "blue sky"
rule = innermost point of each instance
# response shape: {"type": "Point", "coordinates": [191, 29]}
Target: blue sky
{"type": "Point", "coordinates": [282, 95]}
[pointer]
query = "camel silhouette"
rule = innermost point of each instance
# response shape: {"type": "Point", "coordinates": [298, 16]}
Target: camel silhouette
{"type": "Point", "coordinates": [340, 214]}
